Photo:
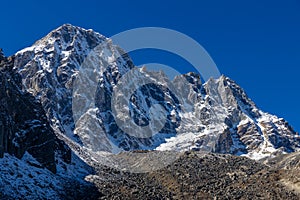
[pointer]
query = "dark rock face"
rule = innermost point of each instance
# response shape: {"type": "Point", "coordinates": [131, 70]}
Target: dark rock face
{"type": "Point", "coordinates": [140, 103]}
{"type": "Point", "coordinates": [23, 123]}
{"type": "Point", "coordinates": [224, 143]}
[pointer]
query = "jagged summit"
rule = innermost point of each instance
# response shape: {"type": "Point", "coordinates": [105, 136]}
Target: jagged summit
{"type": "Point", "coordinates": [217, 109]}
{"type": "Point", "coordinates": [69, 33]}
{"type": "Point", "coordinates": [49, 68]}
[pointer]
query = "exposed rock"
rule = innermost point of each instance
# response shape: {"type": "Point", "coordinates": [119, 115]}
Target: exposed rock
{"type": "Point", "coordinates": [197, 175]}
{"type": "Point", "coordinates": [214, 116]}
{"type": "Point", "coordinates": [23, 123]}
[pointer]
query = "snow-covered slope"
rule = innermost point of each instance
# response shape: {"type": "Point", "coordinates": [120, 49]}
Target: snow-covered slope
{"type": "Point", "coordinates": [233, 124]}
{"type": "Point", "coordinates": [215, 116]}
{"type": "Point", "coordinates": [25, 178]}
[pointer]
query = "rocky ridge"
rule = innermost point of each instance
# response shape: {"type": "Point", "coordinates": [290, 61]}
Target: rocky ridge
{"type": "Point", "coordinates": [215, 116]}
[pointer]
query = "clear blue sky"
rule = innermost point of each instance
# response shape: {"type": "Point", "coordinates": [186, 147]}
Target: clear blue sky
{"type": "Point", "coordinates": [256, 43]}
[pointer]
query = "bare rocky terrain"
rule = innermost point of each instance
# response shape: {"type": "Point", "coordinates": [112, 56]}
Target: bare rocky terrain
{"type": "Point", "coordinates": [199, 175]}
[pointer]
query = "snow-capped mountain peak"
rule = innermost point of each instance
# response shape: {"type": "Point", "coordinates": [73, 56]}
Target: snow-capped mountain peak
{"type": "Point", "coordinates": [73, 99]}
{"type": "Point", "coordinates": [216, 115]}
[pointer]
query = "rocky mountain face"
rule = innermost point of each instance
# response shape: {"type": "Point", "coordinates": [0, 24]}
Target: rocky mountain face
{"type": "Point", "coordinates": [245, 130]}
{"type": "Point", "coordinates": [216, 116]}
{"type": "Point", "coordinates": [34, 162]}
{"type": "Point", "coordinates": [24, 126]}
{"type": "Point", "coordinates": [57, 111]}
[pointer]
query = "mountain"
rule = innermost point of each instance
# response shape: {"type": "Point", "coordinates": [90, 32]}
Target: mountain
{"type": "Point", "coordinates": [219, 108]}
{"type": "Point", "coordinates": [241, 128]}
{"type": "Point", "coordinates": [66, 108]}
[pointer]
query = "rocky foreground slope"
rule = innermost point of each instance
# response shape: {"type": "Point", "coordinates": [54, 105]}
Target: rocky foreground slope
{"type": "Point", "coordinates": [198, 175]}
{"type": "Point", "coordinates": [55, 145]}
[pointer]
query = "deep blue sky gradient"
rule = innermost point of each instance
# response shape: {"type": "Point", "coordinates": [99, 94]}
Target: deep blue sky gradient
{"type": "Point", "coordinates": [256, 43]}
